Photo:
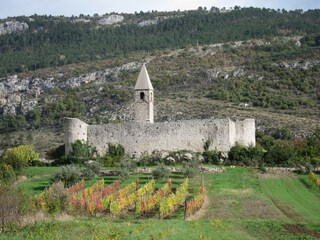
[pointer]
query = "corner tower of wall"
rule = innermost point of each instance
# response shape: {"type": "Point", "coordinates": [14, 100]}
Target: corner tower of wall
{"type": "Point", "coordinates": [246, 132]}
{"type": "Point", "coordinates": [75, 129]}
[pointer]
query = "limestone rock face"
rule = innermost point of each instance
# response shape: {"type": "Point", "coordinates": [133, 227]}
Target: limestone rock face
{"type": "Point", "coordinates": [19, 95]}
{"type": "Point", "coordinates": [81, 20]}
{"type": "Point", "coordinates": [301, 65]}
{"type": "Point", "coordinates": [13, 26]}
{"type": "Point", "coordinates": [147, 23]}
{"type": "Point", "coordinates": [110, 20]}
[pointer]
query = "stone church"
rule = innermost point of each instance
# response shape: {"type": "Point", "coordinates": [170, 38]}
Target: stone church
{"type": "Point", "coordinates": [144, 135]}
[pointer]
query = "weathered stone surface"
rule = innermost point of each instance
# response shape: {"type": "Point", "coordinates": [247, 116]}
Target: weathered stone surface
{"type": "Point", "coordinates": [12, 27]}
{"type": "Point", "coordinates": [296, 64]}
{"type": "Point", "coordinates": [187, 156]}
{"type": "Point", "coordinates": [172, 169]}
{"type": "Point", "coordinates": [110, 20]}
{"type": "Point", "coordinates": [210, 170]}
{"type": "Point", "coordinates": [147, 23]}
{"type": "Point", "coordinates": [170, 160]}
{"type": "Point", "coordinates": [169, 136]}
{"type": "Point", "coordinates": [221, 74]}
{"type": "Point", "coordinates": [15, 90]}
{"type": "Point", "coordinates": [81, 20]}
{"type": "Point", "coordinates": [27, 106]}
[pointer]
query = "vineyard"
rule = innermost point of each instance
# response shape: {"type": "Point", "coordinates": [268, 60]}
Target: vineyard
{"type": "Point", "coordinates": [240, 203]}
{"type": "Point", "coordinates": [314, 179]}
{"type": "Point", "coordinates": [101, 199]}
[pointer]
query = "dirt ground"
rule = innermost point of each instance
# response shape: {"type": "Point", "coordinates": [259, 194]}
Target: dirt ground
{"type": "Point", "coordinates": [202, 211]}
{"type": "Point", "coordinates": [298, 229]}
{"type": "Point", "coordinates": [275, 173]}
{"type": "Point", "coordinates": [43, 217]}
{"type": "Point", "coordinates": [240, 207]}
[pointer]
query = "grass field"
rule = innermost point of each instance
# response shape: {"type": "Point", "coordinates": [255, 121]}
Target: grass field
{"type": "Point", "coordinates": [242, 204]}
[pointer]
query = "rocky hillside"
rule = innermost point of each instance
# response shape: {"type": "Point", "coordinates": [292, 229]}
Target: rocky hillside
{"type": "Point", "coordinates": [274, 79]}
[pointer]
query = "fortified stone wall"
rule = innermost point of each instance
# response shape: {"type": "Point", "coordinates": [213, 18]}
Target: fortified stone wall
{"type": "Point", "coordinates": [137, 138]}
{"type": "Point", "coordinates": [169, 136]}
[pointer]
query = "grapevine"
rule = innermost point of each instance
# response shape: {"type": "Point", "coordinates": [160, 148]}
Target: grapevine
{"type": "Point", "coordinates": [122, 203]}
{"type": "Point", "coordinates": [149, 203]}
{"type": "Point", "coordinates": [195, 204]}
{"type": "Point", "coordinates": [170, 203]}
{"type": "Point", "coordinates": [314, 179]}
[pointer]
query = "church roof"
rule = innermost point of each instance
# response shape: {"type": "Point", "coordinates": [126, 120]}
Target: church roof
{"type": "Point", "coordinates": [143, 82]}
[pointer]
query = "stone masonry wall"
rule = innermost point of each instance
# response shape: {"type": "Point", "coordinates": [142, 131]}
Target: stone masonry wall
{"type": "Point", "coordinates": [143, 109]}
{"type": "Point", "coordinates": [245, 132]}
{"type": "Point", "coordinates": [75, 129]}
{"type": "Point", "coordinates": [137, 138]}
{"type": "Point", "coordinates": [169, 136]}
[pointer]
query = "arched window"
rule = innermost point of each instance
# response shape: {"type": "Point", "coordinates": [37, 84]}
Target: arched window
{"type": "Point", "coordinates": [142, 96]}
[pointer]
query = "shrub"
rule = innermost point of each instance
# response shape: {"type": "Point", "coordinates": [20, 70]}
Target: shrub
{"type": "Point", "coordinates": [211, 157]}
{"type": "Point", "coordinates": [125, 167]}
{"type": "Point", "coordinates": [255, 154]}
{"type": "Point", "coordinates": [80, 153]}
{"type": "Point", "coordinates": [92, 169]}
{"type": "Point", "coordinates": [280, 154]}
{"type": "Point", "coordinates": [265, 141]}
{"type": "Point", "coordinates": [248, 156]}
{"type": "Point", "coordinates": [69, 175]}
{"type": "Point", "coordinates": [238, 154]}
{"type": "Point", "coordinates": [115, 150]}
{"type": "Point", "coordinates": [190, 168]}
{"type": "Point", "coordinates": [20, 157]}
{"type": "Point", "coordinates": [152, 159]}
{"type": "Point", "coordinates": [56, 198]}
{"type": "Point", "coordinates": [161, 172]}
{"type": "Point", "coordinates": [10, 203]}
{"type": "Point", "coordinates": [7, 174]}
{"type": "Point", "coordinates": [114, 155]}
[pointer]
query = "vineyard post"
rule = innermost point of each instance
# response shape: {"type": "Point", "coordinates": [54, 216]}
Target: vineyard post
{"type": "Point", "coordinates": [202, 181]}
{"type": "Point", "coordinates": [185, 210]}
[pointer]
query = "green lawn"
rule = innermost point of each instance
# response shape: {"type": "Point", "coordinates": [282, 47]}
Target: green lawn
{"type": "Point", "coordinates": [241, 205]}
{"type": "Point", "coordinates": [294, 198]}
{"type": "Point", "coordinates": [38, 178]}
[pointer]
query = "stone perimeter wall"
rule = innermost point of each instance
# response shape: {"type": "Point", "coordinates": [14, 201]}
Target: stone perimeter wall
{"type": "Point", "coordinates": [169, 136]}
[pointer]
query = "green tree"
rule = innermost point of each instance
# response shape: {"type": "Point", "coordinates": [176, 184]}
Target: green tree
{"type": "Point", "coordinates": [238, 154]}
{"type": "Point", "coordinates": [281, 153]}
{"type": "Point", "coordinates": [20, 157]}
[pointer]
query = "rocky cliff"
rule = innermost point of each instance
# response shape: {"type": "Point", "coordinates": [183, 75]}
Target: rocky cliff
{"type": "Point", "coordinates": [20, 95]}
{"type": "Point", "coordinates": [12, 27]}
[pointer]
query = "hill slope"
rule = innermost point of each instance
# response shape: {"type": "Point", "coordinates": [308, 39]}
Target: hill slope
{"type": "Point", "coordinates": [273, 78]}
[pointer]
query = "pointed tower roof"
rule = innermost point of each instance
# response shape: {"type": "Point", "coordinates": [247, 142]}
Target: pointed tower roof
{"type": "Point", "coordinates": [143, 82]}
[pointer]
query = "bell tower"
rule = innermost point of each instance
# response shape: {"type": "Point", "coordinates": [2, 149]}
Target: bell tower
{"type": "Point", "coordinates": [143, 106]}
